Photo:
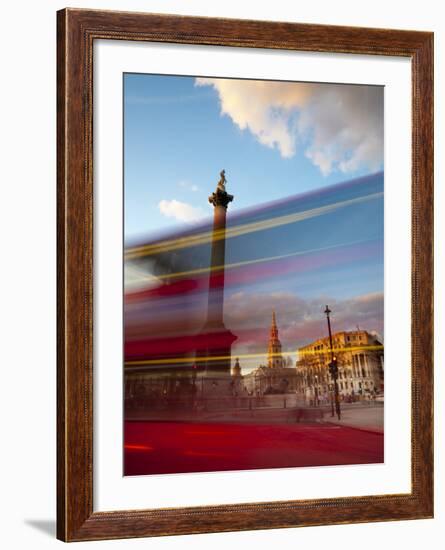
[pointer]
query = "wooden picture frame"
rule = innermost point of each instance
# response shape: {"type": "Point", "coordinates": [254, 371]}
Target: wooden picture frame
{"type": "Point", "coordinates": [77, 31]}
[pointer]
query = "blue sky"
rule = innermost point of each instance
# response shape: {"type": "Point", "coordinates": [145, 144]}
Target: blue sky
{"type": "Point", "coordinates": [177, 139]}
{"type": "Point", "coordinates": [275, 140]}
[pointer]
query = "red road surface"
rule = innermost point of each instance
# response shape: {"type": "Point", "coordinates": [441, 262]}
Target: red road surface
{"type": "Point", "coordinates": [174, 447]}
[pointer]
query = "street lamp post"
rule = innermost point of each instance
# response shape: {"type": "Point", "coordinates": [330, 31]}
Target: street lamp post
{"type": "Point", "coordinates": [333, 368]}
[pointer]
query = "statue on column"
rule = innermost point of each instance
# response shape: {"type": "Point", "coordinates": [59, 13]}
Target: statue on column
{"type": "Point", "coordinates": [222, 182]}
{"type": "Point", "coordinates": [220, 197]}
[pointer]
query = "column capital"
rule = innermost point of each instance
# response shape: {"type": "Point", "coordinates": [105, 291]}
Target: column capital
{"type": "Point", "coordinates": [220, 198]}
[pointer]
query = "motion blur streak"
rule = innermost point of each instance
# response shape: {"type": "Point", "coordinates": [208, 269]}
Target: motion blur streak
{"type": "Point", "coordinates": [218, 268]}
{"type": "Point", "coordinates": [246, 446]}
{"type": "Point", "coordinates": [173, 360]}
{"type": "Point", "coordinates": [138, 447]}
{"type": "Point", "coordinates": [207, 237]}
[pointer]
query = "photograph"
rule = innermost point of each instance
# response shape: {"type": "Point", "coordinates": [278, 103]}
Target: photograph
{"type": "Point", "coordinates": [253, 261]}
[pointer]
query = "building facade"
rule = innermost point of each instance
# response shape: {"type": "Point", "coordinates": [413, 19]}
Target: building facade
{"type": "Point", "coordinates": [360, 364]}
{"type": "Point", "coordinates": [276, 377]}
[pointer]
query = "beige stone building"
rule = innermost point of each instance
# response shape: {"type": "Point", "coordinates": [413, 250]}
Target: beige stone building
{"type": "Point", "coordinates": [276, 377]}
{"type": "Point", "coordinates": [359, 357]}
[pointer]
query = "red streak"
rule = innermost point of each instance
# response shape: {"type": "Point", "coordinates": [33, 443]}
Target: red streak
{"type": "Point", "coordinates": [175, 346]}
{"type": "Point", "coordinates": [310, 261]}
{"type": "Point", "coordinates": [138, 447]}
{"type": "Point", "coordinates": [177, 447]}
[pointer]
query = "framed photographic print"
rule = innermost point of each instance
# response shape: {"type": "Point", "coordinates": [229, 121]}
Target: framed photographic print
{"type": "Point", "coordinates": [244, 275]}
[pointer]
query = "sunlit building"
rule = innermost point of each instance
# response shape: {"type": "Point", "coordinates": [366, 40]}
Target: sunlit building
{"type": "Point", "coordinates": [276, 376]}
{"type": "Point", "coordinates": [359, 357]}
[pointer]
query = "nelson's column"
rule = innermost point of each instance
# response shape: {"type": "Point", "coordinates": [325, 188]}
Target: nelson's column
{"type": "Point", "coordinates": [218, 339]}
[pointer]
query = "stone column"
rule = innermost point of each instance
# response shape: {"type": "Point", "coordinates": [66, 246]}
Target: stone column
{"type": "Point", "coordinates": [220, 200]}
{"type": "Point", "coordinates": [217, 339]}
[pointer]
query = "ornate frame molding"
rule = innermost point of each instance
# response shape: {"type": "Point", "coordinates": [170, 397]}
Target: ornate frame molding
{"type": "Point", "coordinates": [76, 32]}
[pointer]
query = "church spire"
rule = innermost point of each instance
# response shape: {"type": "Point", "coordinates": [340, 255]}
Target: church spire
{"type": "Point", "coordinates": [273, 327]}
{"type": "Point", "coordinates": [274, 357]}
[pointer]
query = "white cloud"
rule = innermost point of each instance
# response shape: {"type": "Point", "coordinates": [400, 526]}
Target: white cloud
{"type": "Point", "coordinates": [180, 211]}
{"type": "Point", "coordinates": [339, 126]}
